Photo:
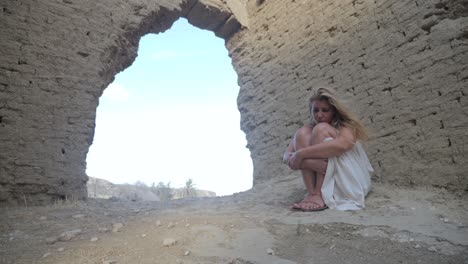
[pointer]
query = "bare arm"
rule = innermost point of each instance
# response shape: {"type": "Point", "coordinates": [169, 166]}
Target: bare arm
{"type": "Point", "coordinates": [287, 154]}
{"type": "Point", "coordinates": [344, 142]}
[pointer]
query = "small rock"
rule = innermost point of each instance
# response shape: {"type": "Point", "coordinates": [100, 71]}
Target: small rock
{"type": "Point", "coordinates": [332, 246]}
{"type": "Point", "coordinates": [446, 220]}
{"type": "Point", "coordinates": [169, 242]}
{"type": "Point", "coordinates": [116, 227]}
{"type": "Point", "coordinates": [270, 251]}
{"type": "Point", "coordinates": [51, 240]}
{"type": "Point", "coordinates": [158, 223]}
{"type": "Point", "coordinates": [78, 216]}
{"type": "Point", "coordinates": [143, 235]}
{"type": "Point", "coordinates": [109, 262]}
{"type": "Point", "coordinates": [103, 229]}
{"type": "Point", "coordinates": [417, 246]}
{"type": "Point", "coordinates": [433, 249]}
{"type": "Point", "coordinates": [68, 235]}
{"type": "Point", "coordinates": [46, 255]}
{"type": "Point", "coordinates": [94, 239]}
{"type": "Point", "coordinates": [170, 225]}
{"type": "Point", "coordinates": [186, 253]}
{"type": "Point", "coordinates": [43, 218]}
{"type": "Point", "coordinates": [187, 225]}
{"type": "Point", "coordinates": [60, 249]}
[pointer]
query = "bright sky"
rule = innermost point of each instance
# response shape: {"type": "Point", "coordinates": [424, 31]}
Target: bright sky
{"type": "Point", "coordinates": [172, 115]}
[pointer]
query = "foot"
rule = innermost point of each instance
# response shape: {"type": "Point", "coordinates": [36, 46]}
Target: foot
{"type": "Point", "coordinates": [312, 202]}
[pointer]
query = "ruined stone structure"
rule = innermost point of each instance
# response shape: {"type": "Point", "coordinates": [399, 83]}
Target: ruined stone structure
{"type": "Point", "coordinates": [401, 64]}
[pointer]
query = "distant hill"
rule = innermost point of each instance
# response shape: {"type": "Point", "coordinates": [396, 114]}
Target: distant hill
{"type": "Point", "coordinates": [99, 188]}
{"type": "Point", "coordinates": [181, 193]}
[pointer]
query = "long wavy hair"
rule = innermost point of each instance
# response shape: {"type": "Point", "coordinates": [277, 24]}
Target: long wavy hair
{"type": "Point", "coordinates": [343, 117]}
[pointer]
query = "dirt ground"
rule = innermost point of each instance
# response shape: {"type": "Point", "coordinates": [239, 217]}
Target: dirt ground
{"type": "Point", "coordinates": [397, 226]}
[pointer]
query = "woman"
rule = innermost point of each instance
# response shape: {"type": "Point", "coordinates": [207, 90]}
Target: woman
{"type": "Point", "coordinates": [333, 163]}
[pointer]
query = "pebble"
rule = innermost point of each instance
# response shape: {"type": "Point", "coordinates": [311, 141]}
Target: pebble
{"type": "Point", "coordinates": [187, 225]}
{"type": "Point", "coordinates": [51, 240]}
{"type": "Point", "coordinates": [46, 255]}
{"type": "Point", "coordinates": [170, 225]}
{"type": "Point", "coordinates": [103, 229]}
{"type": "Point", "coordinates": [433, 249]}
{"type": "Point", "coordinates": [143, 235]}
{"type": "Point", "coordinates": [109, 262]}
{"type": "Point", "coordinates": [169, 242]}
{"type": "Point", "coordinates": [417, 246]}
{"type": "Point", "coordinates": [78, 216]}
{"type": "Point", "coordinates": [60, 249]}
{"type": "Point", "coordinates": [94, 239]}
{"type": "Point", "coordinates": [116, 227]}
{"type": "Point", "coordinates": [68, 235]}
{"type": "Point", "coordinates": [270, 251]}
{"type": "Point", "coordinates": [158, 223]}
{"type": "Point", "coordinates": [186, 253]}
{"type": "Point", "coordinates": [43, 218]}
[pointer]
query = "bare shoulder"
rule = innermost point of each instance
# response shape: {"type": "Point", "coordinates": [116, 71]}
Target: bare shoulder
{"type": "Point", "coordinates": [346, 133]}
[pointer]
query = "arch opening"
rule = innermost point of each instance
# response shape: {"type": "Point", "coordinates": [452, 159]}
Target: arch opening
{"type": "Point", "coordinates": [172, 117]}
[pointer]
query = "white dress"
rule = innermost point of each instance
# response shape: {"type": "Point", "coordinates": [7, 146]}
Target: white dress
{"type": "Point", "coordinates": [348, 179]}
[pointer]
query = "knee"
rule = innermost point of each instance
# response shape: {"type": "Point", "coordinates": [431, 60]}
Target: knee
{"type": "Point", "coordinates": [303, 137]}
{"type": "Point", "coordinates": [304, 132]}
{"type": "Point", "coordinates": [324, 130]}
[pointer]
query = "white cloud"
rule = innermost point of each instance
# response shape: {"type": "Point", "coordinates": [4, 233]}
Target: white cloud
{"type": "Point", "coordinates": [116, 92]}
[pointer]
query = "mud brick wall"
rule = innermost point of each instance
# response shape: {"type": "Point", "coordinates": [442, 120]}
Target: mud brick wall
{"type": "Point", "coordinates": [57, 57]}
{"type": "Point", "coordinates": [401, 65]}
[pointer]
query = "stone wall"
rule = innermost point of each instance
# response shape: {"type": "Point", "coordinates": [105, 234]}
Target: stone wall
{"type": "Point", "coordinates": [402, 65]}
{"type": "Point", "coordinates": [57, 57]}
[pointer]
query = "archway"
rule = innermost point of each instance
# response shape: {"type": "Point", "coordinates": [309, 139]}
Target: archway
{"type": "Point", "coordinates": [55, 85]}
{"type": "Point", "coordinates": [172, 116]}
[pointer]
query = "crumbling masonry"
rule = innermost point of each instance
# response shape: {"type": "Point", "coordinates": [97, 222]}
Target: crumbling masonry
{"type": "Point", "coordinates": [401, 64]}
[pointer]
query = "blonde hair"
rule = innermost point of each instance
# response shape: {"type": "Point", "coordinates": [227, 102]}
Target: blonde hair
{"type": "Point", "coordinates": [343, 117]}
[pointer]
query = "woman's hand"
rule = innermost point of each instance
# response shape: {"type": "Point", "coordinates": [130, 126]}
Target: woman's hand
{"type": "Point", "coordinates": [287, 156]}
{"type": "Point", "coordinates": [295, 161]}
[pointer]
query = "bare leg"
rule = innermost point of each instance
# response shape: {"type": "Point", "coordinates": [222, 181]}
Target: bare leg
{"type": "Point", "coordinates": [303, 138]}
{"type": "Point", "coordinates": [313, 172]}
{"type": "Point", "coordinates": [320, 132]}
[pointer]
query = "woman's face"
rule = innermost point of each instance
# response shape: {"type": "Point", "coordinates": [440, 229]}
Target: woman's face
{"type": "Point", "coordinates": [322, 111]}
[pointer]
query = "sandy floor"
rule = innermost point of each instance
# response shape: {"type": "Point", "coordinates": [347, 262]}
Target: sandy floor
{"type": "Point", "coordinates": [397, 226]}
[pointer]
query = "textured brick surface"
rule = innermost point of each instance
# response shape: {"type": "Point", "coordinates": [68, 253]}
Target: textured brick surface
{"type": "Point", "coordinates": [402, 66]}
{"type": "Point", "coordinates": [56, 59]}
